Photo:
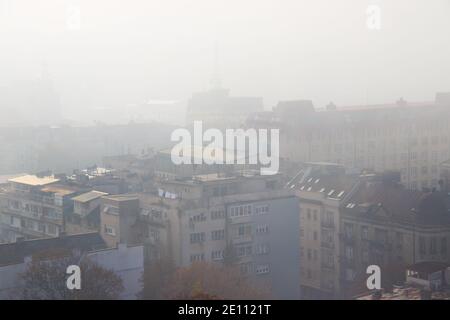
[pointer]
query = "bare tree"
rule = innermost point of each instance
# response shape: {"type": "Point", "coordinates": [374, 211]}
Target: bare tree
{"type": "Point", "coordinates": [45, 278]}
{"type": "Point", "coordinates": [213, 281]}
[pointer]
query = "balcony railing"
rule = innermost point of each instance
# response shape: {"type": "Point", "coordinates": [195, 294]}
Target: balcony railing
{"type": "Point", "coordinates": [327, 224]}
{"type": "Point", "coordinates": [242, 239]}
{"type": "Point", "coordinates": [327, 244]}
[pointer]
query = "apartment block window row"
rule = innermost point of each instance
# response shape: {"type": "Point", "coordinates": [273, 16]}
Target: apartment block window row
{"type": "Point", "coordinates": [262, 249]}
{"type": "Point", "coordinates": [198, 217]}
{"type": "Point", "coordinates": [197, 257]}
{"type": "Point", "coordinates": [110, 230]}
{"type": "Point", "coordinates": [218, 234]}
{"type": "Point", "coordinates": [261, 229]}
{"type": "Point", "coordinates": [198, 237]}
{"type": "Point", "coordinates": [244, 230]}
{"type": "Point", "coordinates": [262, 269]}
{"type": "Point", "coordinates": [246, 268]}
{"type": "Point", "coordinates": [244, 251]}
{"type": "Point", "coordinates": [217, 214]}
{"type": "Point", "coordinates": [217, 255]}
{"type": "Point", "coordinates": [240, 211]}
{"type": "Point", "coordinates": [263, 209]}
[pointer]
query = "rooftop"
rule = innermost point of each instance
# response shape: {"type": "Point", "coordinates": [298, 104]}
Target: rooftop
{"type": "Point", "coordinates": [333, 186]}
{"type": "Point", "coordinates": [59, 189]}
{"type": "Point", "coordinates": [6, 177]}
{"type": "Point", "coordinates": [378, 199]}
{"type": "Point", "coordinates": [33, 180]}
{"type": "Point", "coordinates": [405, 293]}
{"type": "Point", "coordinates": [13, 253]}
{"type": "Point", "coordinates": [89, 196]}
{"type": "Point", "coordinates": [122, 197]}
{"type": "Point", "coordinates": [428, 266]}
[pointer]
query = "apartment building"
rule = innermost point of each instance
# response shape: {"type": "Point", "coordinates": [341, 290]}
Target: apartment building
{"type": "Point", "coordinates": [86, 212]}
{"type": "Point", "coordinates": [137, 219]}
{"type": "Point", "coordinates": [321, 189]}
{"type": "Point", "coordinates": [444, 182]}
{"type": "Point", "coordinates": [412, 138]}
{"type": "Point", "coordinates": [34, 206]}
{"type": "Point", "coordinates": [118, 214]}
{"type": "Point", "coordinates": [246, 220]}
{"type": "Point", "coordinates": [385, 224]}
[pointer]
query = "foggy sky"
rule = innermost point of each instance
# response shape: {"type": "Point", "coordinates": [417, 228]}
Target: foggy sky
{"type": "Point", "coordinates": [135, 50]}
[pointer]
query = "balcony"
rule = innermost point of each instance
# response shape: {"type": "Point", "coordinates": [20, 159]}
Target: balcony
{"type": "Point", "coordinates": [240, 219]}
{"type": "Point", "coordinates": [327, 266]}
{"type": "Point", "coordinates": [242, 239]}
{"type": "Point", "coordinates": [31, 197]}
{"type": "Point", "coordinates": [327, 224]}
{"type": "Point", "coordinates": [54, 218]}
{"type": "Point", "coordinates": [347, 238]}
{"type": "Point", "coordinates": [327, 244]}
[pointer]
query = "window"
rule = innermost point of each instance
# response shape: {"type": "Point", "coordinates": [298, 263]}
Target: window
{"type": "Point", "coordinates": [260, 229]}
{"type": "Point", "coordinates": [315, 235]}
{"type": "Point", "coordinates": [365, 233]}
{"type": "Point", "coordinates": [262, 249]}
{"type": "Point", "coordinates": [433, 246]}
{"type": "Point", "coordinates": [422, 246]}
{"type": "Point", "coordinates": [349, 252]}
{"type": "Point", "coordinates": [244, 251]}
{"type": "Point", "coordinates": [52, 229]}
{"type": "Point", "coordinates": [365, 256]}
{"type": "Point", "coordinates": [217, 255]}
{"type": "Point", "coordinates": [263, 209]}
{"type": "Point", "coordinates": [244, 230]}
{"type": "Point", "coordinates": [41, 227]}
{"type": "Point", "coordinates": [348, 229]}
{"type": "Point", "coordinates": [217, 214]}
{"type": "Point", "coordinates": [198, 217]}
{"type": "Point", "coordinates": [302, 233]}
{"type": "Point", "coordinates": [197, 257]}
{"type": "Point", "coordinates": [444, 246]}
{"type": "Point", "coordinates": [218, 235]}
{"type": "Point", "coordinates": [197, 237]}
{"type": "Point", "coordinates": [262, 269]}
{"type": "Point", "coordinates": [246, 268]}
{"type": "Point", "coordinates": [108, 230]}
{"type": "Point", "coordinates": [240, 211]}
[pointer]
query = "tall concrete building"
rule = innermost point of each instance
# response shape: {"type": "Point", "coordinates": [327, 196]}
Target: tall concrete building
{"type": "Point", "coordinates": [321, 189]}
{"type": "Point", "coordinates": [246, 220]}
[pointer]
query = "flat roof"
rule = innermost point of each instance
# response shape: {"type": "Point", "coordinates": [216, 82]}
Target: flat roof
{"type": "Point", "coordinates": [122, 197]}
{"type": "Point", "coordinates": [33, 180]}
{"type": "Point", "coordinates": [88, 196]}
{"type": "Point", "coordinates": [4, 178]}
{"type": "Point", "coordinates": [59, 189]}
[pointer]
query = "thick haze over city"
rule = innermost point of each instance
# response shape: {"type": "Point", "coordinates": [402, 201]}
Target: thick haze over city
{"type": "Point", "coordinates": [224, 150]}
{"type": "Point", "coordinates": [125, 53]}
